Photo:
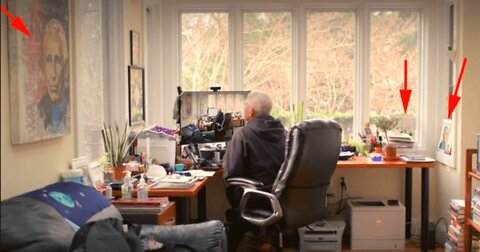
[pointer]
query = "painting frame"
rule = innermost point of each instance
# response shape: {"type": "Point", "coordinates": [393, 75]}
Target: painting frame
{"type": "Point", "coordinates": [135, 48]}
{"type": "Point", "coordinates": [136, 95]}
{"type": "Point", "coordinates": [40, 97]}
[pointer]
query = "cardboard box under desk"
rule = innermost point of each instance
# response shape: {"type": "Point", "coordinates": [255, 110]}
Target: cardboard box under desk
{"type": "Point", "coordinates": [165, 217]}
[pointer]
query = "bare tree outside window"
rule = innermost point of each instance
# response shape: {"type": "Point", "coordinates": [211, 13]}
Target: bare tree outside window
{"type": "Point", "coordinates": [394, 38]}
{"type": "Point", "coordinates": [204, 50]}
{"type": "Point", "coordinates": [267, 57]}
{"type": "Point", "coordinates": [331, 66]}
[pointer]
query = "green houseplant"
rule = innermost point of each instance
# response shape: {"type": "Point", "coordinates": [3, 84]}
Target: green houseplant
{"type": "Point", "coordinates": [386, 123]}
{"type": "Point", "coordinates": [117, 144]}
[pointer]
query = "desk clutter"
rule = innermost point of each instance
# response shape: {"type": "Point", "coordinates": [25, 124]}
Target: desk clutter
{"type": "Point", "coordinates": [352, 150]}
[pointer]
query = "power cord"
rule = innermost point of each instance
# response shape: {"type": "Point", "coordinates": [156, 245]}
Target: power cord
{"type": "Point", "coordinates": [343, 190]}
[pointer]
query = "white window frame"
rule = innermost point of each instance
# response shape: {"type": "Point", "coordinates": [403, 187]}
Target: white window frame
{"type": "Point", "coordinates": [426, 49]}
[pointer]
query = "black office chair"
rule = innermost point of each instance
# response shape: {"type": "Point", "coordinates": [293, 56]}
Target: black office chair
{"type": "Point", "coordinates": [298, 195]}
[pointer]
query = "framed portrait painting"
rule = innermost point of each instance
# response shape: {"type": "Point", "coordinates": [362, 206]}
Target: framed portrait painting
{"type": "Point", "coordinates": [136, 95]}
{"type": "Point", "coordinates": [135, 48]}
{"type": "Point", "coordinates": [39, 71]}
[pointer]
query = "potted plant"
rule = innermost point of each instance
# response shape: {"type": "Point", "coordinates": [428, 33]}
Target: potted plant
{"type": "Point", "coordinates": [117, 144]}
{"type": "Point", "coordinates": [385, 124]}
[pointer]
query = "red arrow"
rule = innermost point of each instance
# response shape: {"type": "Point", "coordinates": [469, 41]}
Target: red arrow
{"type": "Point", "coordinates": [16, 22]}
{"type": "Point", "coordinates": [405, 93]}
{"type": "Point", "coordinates": [454, 99]}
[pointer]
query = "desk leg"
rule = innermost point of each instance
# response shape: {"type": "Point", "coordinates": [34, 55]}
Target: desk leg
{"type": "Point", "coordinates": [408, 202]}
{"type": "Point", "coordinates": [425, 206]}
{"type": "Point", "coordinates": [202, 205]}
{"type": "Point", "coordinates": [183, 210]}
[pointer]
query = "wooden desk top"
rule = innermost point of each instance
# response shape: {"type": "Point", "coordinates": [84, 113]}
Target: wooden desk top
{"type": "Point", "coordinates": [364, 162]}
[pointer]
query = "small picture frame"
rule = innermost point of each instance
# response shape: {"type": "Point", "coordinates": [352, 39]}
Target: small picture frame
{"type": "Point", "coordinates": [95, 176]}
{"type": "Point", "coordinates": [445, 152]}
{"type": "Point", "coordinates": [136, 95]}
{"type": "Point", "coordinates": [134, 48]}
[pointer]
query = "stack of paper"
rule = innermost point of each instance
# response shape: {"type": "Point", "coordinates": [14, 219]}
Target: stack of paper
{"type": "Point", "coordinates": [401, 140]}
{"type": "Point", "coordinates": [174, 181]}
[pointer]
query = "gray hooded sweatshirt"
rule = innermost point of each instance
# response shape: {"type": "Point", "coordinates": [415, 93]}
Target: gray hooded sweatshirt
{"type": "Point", "coordinates": [256, 151]}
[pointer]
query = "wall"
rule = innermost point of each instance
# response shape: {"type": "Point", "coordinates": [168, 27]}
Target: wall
{"type": "Point", "coordinates": [26, 167]}
{"type": "Point", "coordinates": [451, 181]}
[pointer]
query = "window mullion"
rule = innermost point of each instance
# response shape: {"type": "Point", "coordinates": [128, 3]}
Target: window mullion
{"type": "Point", "coordinates": [362, 52]}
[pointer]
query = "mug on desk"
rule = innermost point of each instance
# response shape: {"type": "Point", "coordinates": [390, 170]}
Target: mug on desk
{"type": "Point", "coordinates": [179, 167]}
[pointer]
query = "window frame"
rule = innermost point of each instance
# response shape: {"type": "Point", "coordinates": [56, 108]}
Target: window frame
{"type": "Point", "coordinates": [298, 10]}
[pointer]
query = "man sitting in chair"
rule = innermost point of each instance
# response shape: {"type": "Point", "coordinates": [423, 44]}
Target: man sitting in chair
{"type": "Point", "coordinates": [256, 151]}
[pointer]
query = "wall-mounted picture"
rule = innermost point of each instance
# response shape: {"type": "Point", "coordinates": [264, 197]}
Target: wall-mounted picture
{"type": "Point", "coordinates": [135, 48]}
{"type": "Point", "coordinates": [39, 71]}
{"type": "Point", "coordinates": [136, 95]}
{"type": "Point", "coordinates": [445, 151]}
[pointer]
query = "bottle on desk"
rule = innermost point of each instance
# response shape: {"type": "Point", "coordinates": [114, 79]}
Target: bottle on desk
{"type": "Point", "coordinates": [127, 186]}
{"type": "Point", "coordinates": [108, 191]}
{"type": "Point", "coordinates": [142, 189]}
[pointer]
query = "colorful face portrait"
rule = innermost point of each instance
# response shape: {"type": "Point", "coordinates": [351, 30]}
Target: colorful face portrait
{"type": "Point", "coordinates": [55, 51]}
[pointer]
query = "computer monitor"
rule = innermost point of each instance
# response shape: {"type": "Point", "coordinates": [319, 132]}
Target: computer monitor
{"type": "Point", "coordinates": [198, 110]}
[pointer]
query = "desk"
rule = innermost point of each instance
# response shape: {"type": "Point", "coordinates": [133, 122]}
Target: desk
{"type": "Point", "coordinates": [181, 197]}
{"type": "Point", "coordinates": [363, 162]}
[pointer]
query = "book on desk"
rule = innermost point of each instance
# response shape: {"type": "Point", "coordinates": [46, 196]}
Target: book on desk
{"type": "Point", "coordinates": [134, 204]}
{"type": "Point", "coordinates": [155, 210]}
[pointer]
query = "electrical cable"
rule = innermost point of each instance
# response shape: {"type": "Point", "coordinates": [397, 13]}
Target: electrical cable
{"type": "Point", "coordinates": [341, 200]}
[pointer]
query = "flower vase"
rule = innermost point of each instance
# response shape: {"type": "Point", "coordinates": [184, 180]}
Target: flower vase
{"type": "Point", "coordinates": [391, 153]}
{"type": "Point", "coordinates": [118, 172]}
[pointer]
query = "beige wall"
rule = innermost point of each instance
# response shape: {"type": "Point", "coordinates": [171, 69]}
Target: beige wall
{"type": "Point", "coordinates": [450, 182]}
{"type": "Point", "coordinates": [25, 167]}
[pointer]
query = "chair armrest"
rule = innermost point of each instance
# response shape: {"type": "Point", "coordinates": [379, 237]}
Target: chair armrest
{"type": "Point", "coordinates": [245, 183]}
{"type": "Point", "coordinates": [276, 214]}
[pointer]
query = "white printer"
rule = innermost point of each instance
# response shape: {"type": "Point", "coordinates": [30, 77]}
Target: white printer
{"type": "Point", "coordinates": [325, 235]}
{"type": "Point", "coordinates": [376, 224]}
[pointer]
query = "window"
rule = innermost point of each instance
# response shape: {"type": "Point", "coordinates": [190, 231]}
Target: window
{"type": "Point", "coordinates": [204, 50]}
{"type": "Point", "coordinates": [336, 63]}
{"type": "Point", "coordinates": [330, 66]}
{"type": "Point", "coordinates": [267, 57]}
{"type": "Point", "coordinates": [394, 38]}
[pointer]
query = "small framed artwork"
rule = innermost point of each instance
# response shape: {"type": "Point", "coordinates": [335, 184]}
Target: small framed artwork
{"type": "Point", "coordinates": [445, 151]}
{"type": "Point", "coordinates": [135, 48]}
{"type": "Point", "coordinates": [136, 95]}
